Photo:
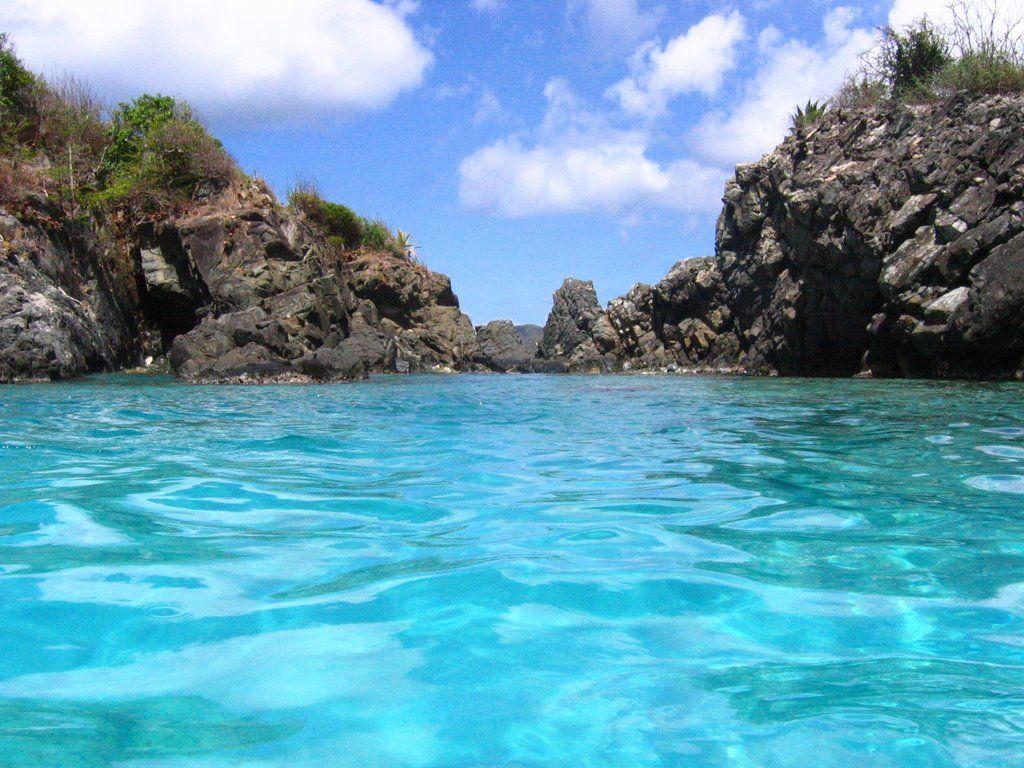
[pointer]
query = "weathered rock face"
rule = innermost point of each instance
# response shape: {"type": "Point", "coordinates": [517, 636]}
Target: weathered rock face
{"type": "Point", "coordinates": [575, 326]}
{"type": "Point", "coordinates": [63, 312]}
{"type": "Point", "coordinates": [887, 241]}
{"type": "Point", "coordinates": [269, 302]}
{"type": "Point", "coordinates": [500, 347]}
{"type": "Point", "coordinates": [239, 289]}
{"type": "Point", "coordinates": [410, 318]}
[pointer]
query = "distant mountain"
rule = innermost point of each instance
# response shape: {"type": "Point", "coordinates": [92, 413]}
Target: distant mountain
{"type": "Point", "coordinates": [531, 335]}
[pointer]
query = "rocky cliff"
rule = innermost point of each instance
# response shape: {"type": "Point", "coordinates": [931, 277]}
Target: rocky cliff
{"type": "Point", "coordinates": [236, 288]}
{"type": "Point", "coordinates": [67, 302]}
{"type": "Point", "coordinates": [885, 241]}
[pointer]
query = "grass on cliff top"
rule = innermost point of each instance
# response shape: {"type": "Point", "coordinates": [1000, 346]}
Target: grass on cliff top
{"type": "Point", "coordinates": [975, 55]}
{"type": "Point", "coordinates": [148, 155]}
{"type": "Point", "coordinates": [345, 229]}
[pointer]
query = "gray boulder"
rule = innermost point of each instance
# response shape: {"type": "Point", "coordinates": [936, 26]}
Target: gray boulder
{"type": "Point", "coordinates": [60, 313]}
{"type": "Point", "coordinates": [500, 347]}
{"type": "Point", "coordinates": [569, 334]}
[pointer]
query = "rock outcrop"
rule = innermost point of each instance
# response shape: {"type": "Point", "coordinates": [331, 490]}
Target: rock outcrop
{"type": "Point", "coordinates": [260, 289]}
{"type": "Point", "coordinates": [500, 347]}
{"type": "Point", "coordinates": [574, 327]}
{"type": "Point", "coordinates": [66, 306]}
{"type": "Point", "coordinates": [409, 318]}
{"type": "Point", "coordinates": [236, 289]}
{"type": "Point", "coordinates": [887, 241]}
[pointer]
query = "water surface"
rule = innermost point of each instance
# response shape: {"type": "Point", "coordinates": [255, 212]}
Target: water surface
{"type": "Point", "coordinates": [512, 571]}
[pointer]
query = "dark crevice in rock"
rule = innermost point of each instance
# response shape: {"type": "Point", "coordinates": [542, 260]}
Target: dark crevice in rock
{"type": "Point", "coordinates": [173, 294]}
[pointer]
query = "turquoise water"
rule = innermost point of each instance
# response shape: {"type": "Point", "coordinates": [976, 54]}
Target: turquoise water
{"type": "Point", "coordinates": [512, 571]}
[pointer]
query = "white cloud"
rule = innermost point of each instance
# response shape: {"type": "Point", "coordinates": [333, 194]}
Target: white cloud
{"type": "Point", "coordinates": [614, 26]}
{"type": "Point", "coordinates": [489, 109]}
{"type": "Point", "coordinates": [581, 163]}
{"type": "Point", "coordinates": [249, 58]}
{"type": "Point", "coordinates": [789, 73]}
{"type": "Point", "coordinates": [694, 62]}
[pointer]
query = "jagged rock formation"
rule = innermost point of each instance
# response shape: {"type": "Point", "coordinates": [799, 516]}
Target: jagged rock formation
{"type": "Point", "coordinates": [499, 347]}
{"type": "Point", "coordinates": [408, 318]}
{"type": "Point", "coordinates": [571, 331]}
{"type": "Point", "coordinates": [236, 289]}
{"type": "Point", "coordinates": [259, 288]}
{"type": "Point", "coordinates": [887, 241]}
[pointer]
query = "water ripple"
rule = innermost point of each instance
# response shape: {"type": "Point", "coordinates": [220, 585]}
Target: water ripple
{"type": "Point", "coordinates": [521, 571]}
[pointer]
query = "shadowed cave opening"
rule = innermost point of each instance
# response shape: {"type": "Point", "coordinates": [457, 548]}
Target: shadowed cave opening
{"type": "Point", "coordinates": [173, 296]}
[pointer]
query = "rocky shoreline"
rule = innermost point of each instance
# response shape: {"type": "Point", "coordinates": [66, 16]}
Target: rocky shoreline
{"type": "Point", "coordinates": [885, 241]}
{"type": "Point", "coordinates": [238, 289]}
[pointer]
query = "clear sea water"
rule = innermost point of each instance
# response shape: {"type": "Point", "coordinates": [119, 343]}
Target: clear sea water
{"type": "Point", "coordinates": [512, 571]}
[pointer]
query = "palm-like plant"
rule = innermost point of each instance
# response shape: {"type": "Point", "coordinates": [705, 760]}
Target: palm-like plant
{"type": "Point", "coordinates": [808, 115]}
{"type": "Point", "coordinates": [405, 244]}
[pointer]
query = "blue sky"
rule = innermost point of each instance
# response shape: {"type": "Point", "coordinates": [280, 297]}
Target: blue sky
{"type": "Point", "coordinates": [520, 141]}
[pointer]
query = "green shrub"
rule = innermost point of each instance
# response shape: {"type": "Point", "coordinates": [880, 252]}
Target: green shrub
{"type": "Point", "coordinates": [71, 127]}
{"type": "Point", "coordinates": [339, 223]}
{"type": "Point", "coordinates": [343, 228]}
{"type": "Point", "coordinates": [909, 60]}
{"type": "Point", "coordinates": [131, 125]}
{"type": "Point", "coordinates": [978, 53]}
{"type": "Point", "coordinates": [70, 116]}
{"type": "Point", "coordinates": [377, 235]}
{"type": "Point", "coordinates": [181, 158]}
{"type": "Point", "coordinates": [858, 92]}
{"type": "Point", "coordinates": [17, 97]}
{"type": "Point", "coordinates": [159, 155]}
{"type": "Point", "coordinates": [981, 74]}
{"type": "Point", "coordinates": [808, 115]}
{"type": "Point", "coordinates": [990, 53]}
